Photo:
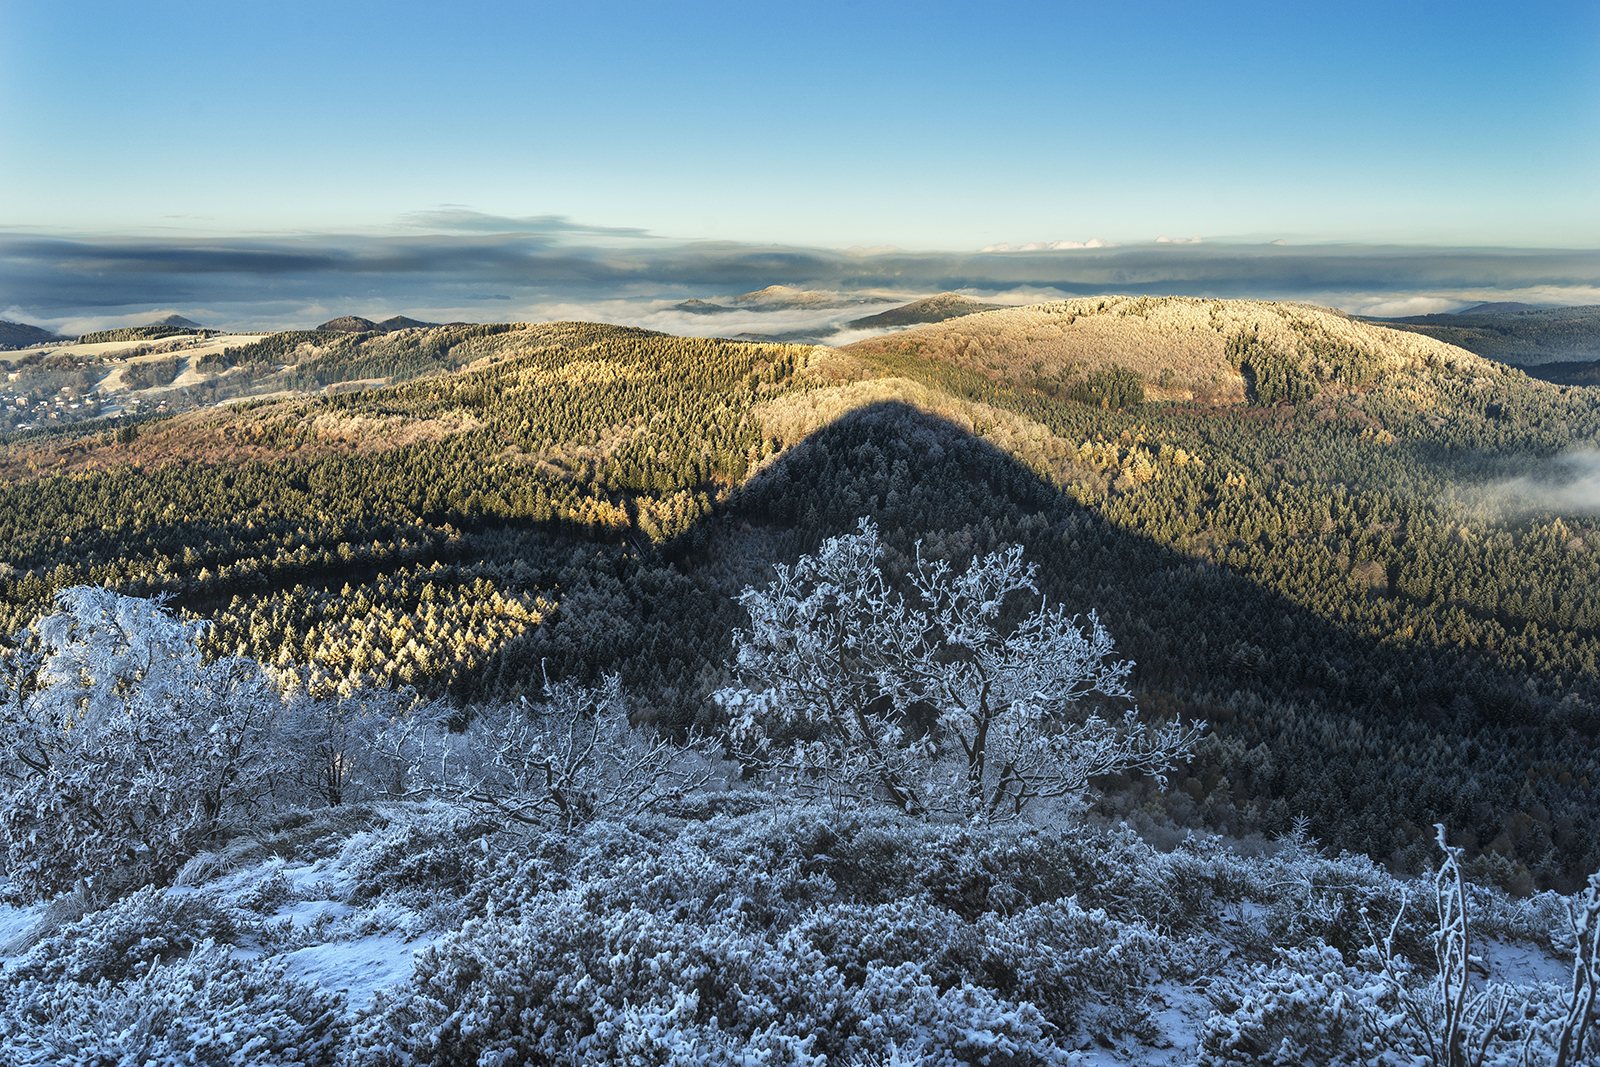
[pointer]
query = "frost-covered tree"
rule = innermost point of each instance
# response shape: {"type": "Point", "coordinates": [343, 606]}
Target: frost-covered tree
{"type": "Point", "coordinates": [574, 757]}
{"type": "Point", "coordinates": [326, 734]}
{"type": "Point", "coordinates": [933, 697]}
{"type": "Point", "coordinates": [121, 748]}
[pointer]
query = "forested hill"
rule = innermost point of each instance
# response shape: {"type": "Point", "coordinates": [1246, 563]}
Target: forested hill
{"type": "Point", "coordinates": [1526, 336]}
{"type": "Point", "coordinates": [1349, 549]}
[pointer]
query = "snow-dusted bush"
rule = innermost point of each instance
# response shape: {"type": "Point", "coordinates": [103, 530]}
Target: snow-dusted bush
{"type": "Point", "coordinates": [128, 937]}
{"type": "Point", "coordinates": [205, 1008]}
{"type": "Point", "coordinates": [1308, 1008]}
{"type": "Point", "coordinates": [573, 984]}
{"type": "Point", "coordinates": [429, 854]}
{"type": "Point", "coordinates": [573, 758]}
{"type": "Point", "coordinates": [121, 749]}
{"type": "Point", "coordinates": [848, 687]}
{"type": "Point", "coordinates": [1390, 1007]}
{"type": "Point", "coordinates": [805, 933]}
{"type": "Point", "coordinates": [327, 734]}
{"type": "Point", "coordinates": [1460, 1023]}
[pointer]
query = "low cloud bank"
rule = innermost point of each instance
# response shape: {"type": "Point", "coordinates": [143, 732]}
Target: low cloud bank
{"type": "Point", "coordinates": [1518, 487]}
{"type": "Point", "coordinates": [1568, 484]}
{"type": "Point", "coordinates": [488, 268]}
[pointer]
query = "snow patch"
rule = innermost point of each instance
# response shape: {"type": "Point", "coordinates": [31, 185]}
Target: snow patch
{"type": "Point", "coordinates": [358, 968]}
{"type": "Point", "coordinates": [1523, 964]}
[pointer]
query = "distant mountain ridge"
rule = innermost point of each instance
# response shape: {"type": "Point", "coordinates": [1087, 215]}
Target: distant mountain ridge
{"type": "Point", "coordinates": [1500, 307]}
{"type": "Point", "coordinates": [1514, 333]}
{"type": "Point", "coordinates": [22, 335]}
{"type": "Point", "coordinates": [930, 309]}
{"type": "Point", "coordinates": [357, 324]}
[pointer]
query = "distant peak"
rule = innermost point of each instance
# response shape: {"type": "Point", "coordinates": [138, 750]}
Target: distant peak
{"type": "Point", "coordinates": [934, 308]}
{"type": "Point", "coordinates": [701, 307]}
{"type": "Point", "coordinates": [1499, 307]}
{"type": "Point", "coordinates": [350, 324]}
{"type": "Point", "coordinates": [178, 321]}
{"type": "Point", "coordinates": [787, 296]}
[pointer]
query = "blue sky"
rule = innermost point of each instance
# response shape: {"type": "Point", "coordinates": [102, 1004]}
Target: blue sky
{"type": "Point", "coordinates": [926, 126]}
{"type": "Point", "coordinates": [273, 163]}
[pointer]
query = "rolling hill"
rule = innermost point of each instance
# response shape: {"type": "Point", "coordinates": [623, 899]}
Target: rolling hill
{"type": "Point", "coordinates": [357, 324]}
{"type": "Point", "coordinates": [929, 309]}
{"type": "Point", "coordinates": [21, 335]}
{"type": "Point", "coordinates": [1345, 547]}
{"type": "Point", "coordinates": [1523, 336]}
{"type": "Point", "coordinates": [1184, 349]}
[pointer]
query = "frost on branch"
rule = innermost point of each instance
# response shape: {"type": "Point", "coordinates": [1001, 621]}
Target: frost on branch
{"type": "Point", "coordinates": [1460, 1023]}
{"type": "Point", "coordinates": [848, 686]}
{"type": "Point", "coordinates": [566, 761]}
{"type": "Point", "coordinates": [121, 749]}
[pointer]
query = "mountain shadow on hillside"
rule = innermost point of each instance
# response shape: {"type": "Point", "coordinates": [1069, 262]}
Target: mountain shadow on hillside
{"type": "Point", "coordinates": [1371, 741]}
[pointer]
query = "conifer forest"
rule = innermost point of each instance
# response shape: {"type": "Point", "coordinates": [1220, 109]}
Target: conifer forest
{"type": "Point", "coordinates": [658, 691]}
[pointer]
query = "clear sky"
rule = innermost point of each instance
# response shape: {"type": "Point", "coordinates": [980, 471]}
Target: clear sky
{"type": "Point", "coordinates": [928, 126]}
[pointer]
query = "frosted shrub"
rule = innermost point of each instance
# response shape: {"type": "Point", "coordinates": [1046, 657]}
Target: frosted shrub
{"type": "Point", "coordinates": [848, 688]}
{"type": "Point", "coordinates": [126, 938]}
{"type": "Point", "coordinates": [1459, 1024]}
{"type": "Point", "coordinates": [327, 734]}
{"type": "Point", "coordinates": [1389, 1007]}
{"type": "Point", "coordinates": [1309, 1008]}
{"type": "Point", "coordinates": [671, 943]}
{"type": "Point", "coordinates": [571, 759]}
{"type": "Point", "coordinates": [424, 854]}
{"type": "Point", "coordinates": [570, 985]}
{"type": "Point", "coordinates": [265, 893]}
{"type": "Point", "coordinates": [121, 749]}
{"type": "Point", "coordinates": [204, 1008]}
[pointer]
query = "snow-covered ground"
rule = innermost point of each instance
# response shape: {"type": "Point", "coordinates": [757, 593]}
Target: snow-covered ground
{"type": "Point", "coordinates": [788, 933]}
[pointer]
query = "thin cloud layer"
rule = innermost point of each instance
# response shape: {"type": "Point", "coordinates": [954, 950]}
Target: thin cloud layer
{"type": "Point", "coordinates": [1568, 484]}
{"type": "Point", "coordinates": [492, 268]}
{"type": "Point", "coordinates": [453, 219]}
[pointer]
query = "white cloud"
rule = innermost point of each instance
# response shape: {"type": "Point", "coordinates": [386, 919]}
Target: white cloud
{"type": "Point", "coordinates": [1400, 307]}
{"type": "Point", "coordinates": [1052, 246]}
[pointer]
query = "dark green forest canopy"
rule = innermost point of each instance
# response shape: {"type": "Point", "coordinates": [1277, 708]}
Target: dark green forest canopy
{"type": "Point", "coordinates": [1532, 337]}
{"type": "Point", "coordinates": [1372, 595]}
